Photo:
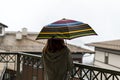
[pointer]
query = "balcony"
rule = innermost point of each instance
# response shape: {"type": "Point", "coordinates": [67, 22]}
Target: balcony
{"type": "Point", "coordinates": [26, 66]}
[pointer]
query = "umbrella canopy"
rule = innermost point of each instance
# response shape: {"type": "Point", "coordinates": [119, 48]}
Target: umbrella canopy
{"type": "Point", "coordinates": [65, 29]}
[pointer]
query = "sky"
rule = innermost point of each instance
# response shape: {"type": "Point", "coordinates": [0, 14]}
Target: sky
{"type": "Point", "coordinates": [102, 15]}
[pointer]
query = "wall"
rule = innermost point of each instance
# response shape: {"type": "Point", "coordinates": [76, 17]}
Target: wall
{"type": "Point", "coordinates": [100, 56]}
{"type": "Point", "coordinates": [113, 60]}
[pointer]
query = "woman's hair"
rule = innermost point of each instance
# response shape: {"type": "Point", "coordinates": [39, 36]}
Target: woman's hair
{"type": "Point", "coordinates": [54, 45]}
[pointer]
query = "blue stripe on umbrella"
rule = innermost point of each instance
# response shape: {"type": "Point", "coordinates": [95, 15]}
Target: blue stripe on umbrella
{"type": "Point", "coordinates": [65, 24]}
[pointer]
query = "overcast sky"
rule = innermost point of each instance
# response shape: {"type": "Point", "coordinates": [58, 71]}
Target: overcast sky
{"type": "Point", "coordinates": [102, 15]}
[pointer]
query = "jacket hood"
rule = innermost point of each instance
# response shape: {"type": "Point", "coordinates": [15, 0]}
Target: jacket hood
{"type": "Point", "coordinates": [56, 56]}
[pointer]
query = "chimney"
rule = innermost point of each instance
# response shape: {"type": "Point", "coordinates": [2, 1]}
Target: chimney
{"type": "Point", "coordinates": [18, 35]}
{"type": "Point", "coordinates": [24, 31]}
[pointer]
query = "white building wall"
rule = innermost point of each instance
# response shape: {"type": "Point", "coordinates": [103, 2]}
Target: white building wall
{"type": "Point", "coordinates": [3, 31]}
{"type": "Point", "coordinates": [114, 60]}
{"type": "Point", "coordinates": [100, 56]}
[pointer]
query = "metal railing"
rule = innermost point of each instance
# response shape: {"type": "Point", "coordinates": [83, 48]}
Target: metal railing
{"type": "Point", "coordinates": [28, 67]}
{"type": "Point", "coordinates": [87, 72]}
{"type": "Point", "coordinates": [24, 65]}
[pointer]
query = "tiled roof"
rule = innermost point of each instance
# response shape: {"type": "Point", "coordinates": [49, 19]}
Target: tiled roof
{"type": "Point", "coordinates": [74, 48]}
{"type": "Point", "coordinates": [29, 44]}
{"type": "Point", "coordinates": [112, 44]}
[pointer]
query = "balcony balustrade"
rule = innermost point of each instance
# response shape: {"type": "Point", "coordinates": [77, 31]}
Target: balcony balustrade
{"type": "Point", "coordinates": [25, 66]}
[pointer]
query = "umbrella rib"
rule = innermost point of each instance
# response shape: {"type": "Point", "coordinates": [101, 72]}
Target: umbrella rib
{"type": "Point", "coordinates": [67, 27]}
{"type": "Point", "coordinates": [68, 30]}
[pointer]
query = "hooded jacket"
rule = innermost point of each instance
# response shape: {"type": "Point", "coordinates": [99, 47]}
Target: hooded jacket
{"type": "Point", "coordinates": [57, 64]}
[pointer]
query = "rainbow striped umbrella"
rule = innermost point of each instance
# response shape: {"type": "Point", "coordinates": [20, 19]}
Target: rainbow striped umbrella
{"type": "Point", "coordinates": [65, 29]}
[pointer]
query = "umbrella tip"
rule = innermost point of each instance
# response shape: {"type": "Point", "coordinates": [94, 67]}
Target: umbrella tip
{"type": "Point", "coordinates": [64, 19]}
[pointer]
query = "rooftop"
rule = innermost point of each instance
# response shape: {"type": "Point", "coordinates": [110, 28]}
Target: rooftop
{"type": "Point", "coordinates": [3, 25]}
{"type": "Point", "coordinates": [112, 44]}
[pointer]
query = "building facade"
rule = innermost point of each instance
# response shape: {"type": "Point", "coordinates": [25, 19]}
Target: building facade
{"type": "Point", "coordinates": [107, 54]}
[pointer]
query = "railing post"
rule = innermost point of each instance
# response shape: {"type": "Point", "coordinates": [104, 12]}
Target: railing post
{"type": "Point", "coordinates": [18, 67]}
{"type": "Point", "coordinates": [80, 71]}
